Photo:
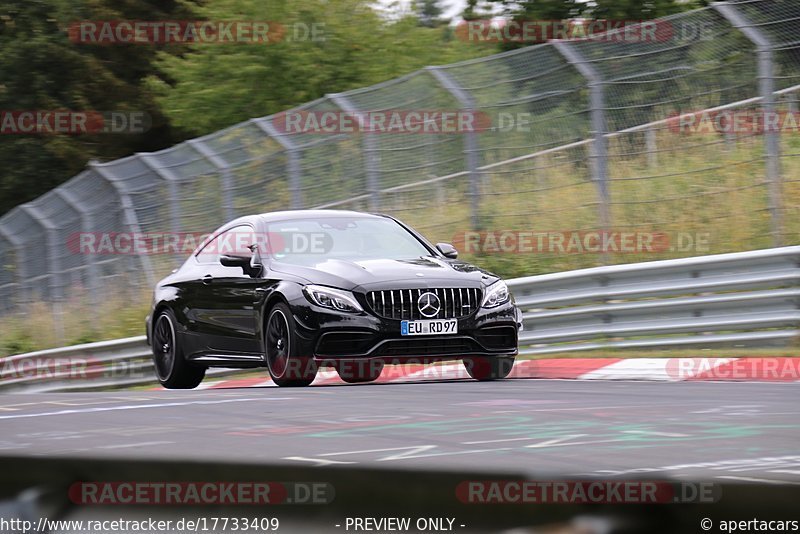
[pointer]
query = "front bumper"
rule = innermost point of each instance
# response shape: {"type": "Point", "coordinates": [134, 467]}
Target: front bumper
{"type": "Point", "coordinates": [331, 336]}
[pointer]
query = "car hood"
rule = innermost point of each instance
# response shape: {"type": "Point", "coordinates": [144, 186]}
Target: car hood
{"type": "Point", "coordinates": [377, 274]}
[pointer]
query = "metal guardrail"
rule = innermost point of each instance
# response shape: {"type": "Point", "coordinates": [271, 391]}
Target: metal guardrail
{"type": "Point", "coordinates": [741, 299]}
{"type": "Point", "coordinates": [90, 365]}
{"type": "Point", "coordinates": [119, 363]}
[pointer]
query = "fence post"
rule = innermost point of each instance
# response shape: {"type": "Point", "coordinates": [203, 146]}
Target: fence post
{"type": "Point", "coordinates": [54, 265]}
{"type": "Point", "coordinates": [20, 257]}
{"type": "Point", "coordinates": [766, 89]}
{"type": "Point", "coordinates": [467, 103]}
{"type": "Point", "coordinates": [87, 226]}
{"type": "Point", "coordinates": [599, 128]}
{"type": "Point", "coordinates": [293, 159]}
{"type": "Point", "coordinates": [370, 150]}
{"type": "Point", "coordinates": [131, 221]}
{"type": "Point", "coordinates": [172, 184]}
{"type": "Point", "coordinates": [225, 169]}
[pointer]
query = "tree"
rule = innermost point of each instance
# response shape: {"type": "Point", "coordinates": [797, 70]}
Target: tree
{"type": "Point", "coordinates": [477, 10]}
{"type": "Point", "coordinates": [561, 10]}
{"type": "Point", "coordinates": [606, 9]}
{"type": "Point", "coordinates": [41, 69]}
{"type": "Point", "coordinates": [636, 9]}
{"type": "Point", "coordinates": [535, 9]}
{"type": "Point", "coordinates": [429, 12]}
{"type": "Point", "coordinates": [214, 86]}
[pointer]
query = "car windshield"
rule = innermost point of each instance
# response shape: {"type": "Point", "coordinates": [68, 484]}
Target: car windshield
{"type": "Point", "coordinates": [308, 241]}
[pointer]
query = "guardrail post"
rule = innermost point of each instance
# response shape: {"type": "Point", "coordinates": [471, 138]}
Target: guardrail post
{"type": "Point", "coordinates": [371, 157]}
{"type": "Point", "coordinates": [599, 129]}
{"type": "Point", "coordinates": [293, 159]}
{"type": "Point", "coordinates": [651, 147]}
{"type": "Point", "coordinates": [225, 171]}
{"type": "Point", "coordinates": [766, 88]}
{"type": "Point", "coordinates": [467, 103]}
{"type": "Point", "coordinates": [131, 221]}
{"type": "Point", "coordinates": [55, 271]}
{"type": "Point", "coordinates": [791, 102]}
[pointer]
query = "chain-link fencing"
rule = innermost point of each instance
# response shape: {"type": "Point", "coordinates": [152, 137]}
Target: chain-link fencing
{"type": "Point", "coordinates": [576, 136]}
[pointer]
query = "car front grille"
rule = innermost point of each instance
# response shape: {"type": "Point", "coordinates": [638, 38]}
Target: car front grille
{"type": "Point", "coordinates": [454, 302]}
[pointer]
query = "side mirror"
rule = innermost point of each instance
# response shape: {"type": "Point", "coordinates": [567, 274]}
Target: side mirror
{"type": "Point", "coordinates": [234, 261]}
{"type": "Point", "coordinates": [447, 250]}
{"type": "Point", "coordinates": [248, 266]}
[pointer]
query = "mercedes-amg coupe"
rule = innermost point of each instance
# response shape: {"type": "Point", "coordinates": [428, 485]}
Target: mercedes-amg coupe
{"type": "Point", "coordinates": [293, 291]}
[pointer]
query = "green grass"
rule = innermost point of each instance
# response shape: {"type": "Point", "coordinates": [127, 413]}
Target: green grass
{"type": "Point", "coordinates": [116, 317]}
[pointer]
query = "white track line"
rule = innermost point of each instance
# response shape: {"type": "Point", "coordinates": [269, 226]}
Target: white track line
{"type": "Point", "coordinates": [135, 407]}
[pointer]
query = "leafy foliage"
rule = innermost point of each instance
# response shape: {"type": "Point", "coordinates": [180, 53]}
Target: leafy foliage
{"type": "Point", "coordinates": [41, 69]}
{"type": "Point", "coordinates": [216, 86]}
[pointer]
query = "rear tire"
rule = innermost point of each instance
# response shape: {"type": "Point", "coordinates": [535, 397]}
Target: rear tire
{"type": "Point", "coordinates": [484, 368]}
{"type": "Point", "coordinates": [172, 369]}
{"type": "Point", "coordinates": [359, 371]}
{"type": "Point", "coordinates": [286, 367]}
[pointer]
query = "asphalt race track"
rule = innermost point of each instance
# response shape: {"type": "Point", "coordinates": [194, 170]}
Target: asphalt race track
{"type": "Point", "coordinates": [710, 430]}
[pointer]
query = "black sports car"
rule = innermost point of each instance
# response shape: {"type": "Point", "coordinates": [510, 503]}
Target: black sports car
{"type": "Point", "coordinates": [296, 290]}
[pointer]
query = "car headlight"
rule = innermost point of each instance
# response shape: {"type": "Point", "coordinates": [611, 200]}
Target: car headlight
{"type": "Point", "coordinates": [334, 299]}
{"type": "Point", "coordinates": [496, 294]}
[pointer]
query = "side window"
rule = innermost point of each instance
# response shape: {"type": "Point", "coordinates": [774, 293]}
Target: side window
{"type": "Point", "coordinates": [208, 254]}
{"type": "Point", "coordinates": [235, 241]}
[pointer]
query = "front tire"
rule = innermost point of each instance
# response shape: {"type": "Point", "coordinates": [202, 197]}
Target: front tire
{"type": "Point", "coordinates": [483, 368]}
{"type": "Point", "coordinates": [172, 369]}
{"type": "Point", "coordinates": [286, 366]}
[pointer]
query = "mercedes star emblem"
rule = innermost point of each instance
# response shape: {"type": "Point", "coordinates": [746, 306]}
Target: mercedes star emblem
{"type": "Point", "coordinates": [428, 304]}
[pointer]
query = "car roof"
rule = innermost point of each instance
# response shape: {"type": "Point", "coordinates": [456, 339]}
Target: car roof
{"type": "Point", "coordinates": [313, 214]}
{"type": "Point", "coordinates": [288, 215]}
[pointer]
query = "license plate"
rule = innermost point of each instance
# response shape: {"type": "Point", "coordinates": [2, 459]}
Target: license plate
{"type": "Point", "coordinates": [428, 328]}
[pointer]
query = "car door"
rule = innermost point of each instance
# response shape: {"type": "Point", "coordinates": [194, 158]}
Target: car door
{"type": "Point", "coordinates": [224, 301]}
